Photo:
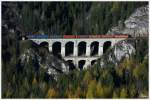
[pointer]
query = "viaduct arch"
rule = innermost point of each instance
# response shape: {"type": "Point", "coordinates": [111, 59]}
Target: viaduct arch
{"type": "Point", "coordinates": [94, 48]}
{"type": "Point", "coordinates": [69, 48]}
{"type": "Point", "coordinates": [93, 62]}
{"type": "Point", "coordinates": [44, 43]}
{"type": "Point", "coordinates": [56, 48]}
{"type": "Point", "coordinates": [71, 64]}
{"type": "Point", "coordinates": [106, 46]}
{"type": "Point", "coordinates": [82, 48]}
{"type": "Point", "coordinates": [81, 64]}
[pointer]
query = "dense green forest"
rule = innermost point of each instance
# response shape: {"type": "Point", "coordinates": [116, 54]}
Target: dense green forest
{"type": "Point", "coordinates": [57, 18]}
{"type": "Point", "coordinates": [127, 80]}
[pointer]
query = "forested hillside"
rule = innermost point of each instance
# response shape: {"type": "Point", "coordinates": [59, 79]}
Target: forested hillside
{"type": "Point", "coordinates": [57, 18]}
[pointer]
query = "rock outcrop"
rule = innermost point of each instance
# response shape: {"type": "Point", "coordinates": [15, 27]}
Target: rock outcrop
{"type": "Point", "coordinates": [135, 25]}
{"type": "Point", "coordinates": [43, 58]}
{"type": "Point", "coordinates": [121, 50]}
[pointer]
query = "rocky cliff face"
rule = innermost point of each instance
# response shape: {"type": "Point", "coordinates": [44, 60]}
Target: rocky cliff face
{"type": "Point", "coordinates": [42, 58]}
{"type": "Point", "coordinates": [135, 25]}
{"type": "Point", "coordinates": [121, 50]}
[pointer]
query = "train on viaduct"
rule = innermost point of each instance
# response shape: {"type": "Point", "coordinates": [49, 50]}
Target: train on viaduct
{"type": "Point", "coordinates": [80, 51]}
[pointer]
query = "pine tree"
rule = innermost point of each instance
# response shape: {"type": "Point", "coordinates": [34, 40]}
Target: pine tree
{"type": "Point", "coordinates": [91, 89]}
{"type": "Point", "coordinates": [51, 93]}
{"type": "Point", "coordinates": [123, 93]}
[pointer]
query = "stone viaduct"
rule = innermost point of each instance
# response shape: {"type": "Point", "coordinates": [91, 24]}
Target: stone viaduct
{"type": "Point", "coordinates": [82, 52]}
